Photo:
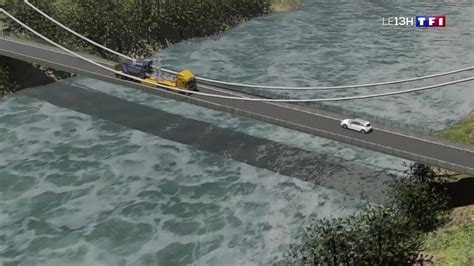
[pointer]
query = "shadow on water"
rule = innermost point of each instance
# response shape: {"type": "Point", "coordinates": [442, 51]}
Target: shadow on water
{"type": "Point", "coordinates": [321, 169]}
{"type": "Point", "coordinates": [461, 192]}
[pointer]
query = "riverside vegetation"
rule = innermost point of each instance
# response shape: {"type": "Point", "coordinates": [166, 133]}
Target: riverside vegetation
{"type": "Point", "coordinates": [453, 243]}
{"type": "Point", "coordinates": [392, 234]}
{"type": "Point", "coordinates": [7, 85]}
{"type": "Point", "coordinates": [136, 28]}
{"type": "Point", "coordinates": [462, 131]}
{"type": "Point", "coordinates": [425, 213]}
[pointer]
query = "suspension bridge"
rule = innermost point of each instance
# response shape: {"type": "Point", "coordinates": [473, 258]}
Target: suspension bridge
{"type": "Point", "coordinates": [225, 96]}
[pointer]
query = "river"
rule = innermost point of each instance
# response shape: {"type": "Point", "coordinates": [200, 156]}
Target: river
{"type": "Point", "coordinates": [78, 190]}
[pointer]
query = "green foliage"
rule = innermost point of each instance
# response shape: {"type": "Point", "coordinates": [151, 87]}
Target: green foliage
{"type": "Point", "coordinates": [6, 85]}
{"type": "Point", "coordinates": [387, 238]}
{"type": "Point", "coordinates": [462, 131]}
{"type": "Point", "coordinates": [420, 172]}
{"type": "Point", "coordinates": [134, 27]}
{"type": "Point", "coordinates": [453, 244]}
{"type": "Point", "coordinates": [421, 197]}
{"type": "Point", "coordinates": [391, 235]}
{"type": "Point", "coordinates": [327, 241]}
{"type": "Point", "coordinates": [377, 236]}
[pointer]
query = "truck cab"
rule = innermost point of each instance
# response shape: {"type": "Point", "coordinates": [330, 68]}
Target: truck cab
{"type": "Point", "coordinates": [137, 68]}
{"type": "Point", "coordinates": [186, 80]}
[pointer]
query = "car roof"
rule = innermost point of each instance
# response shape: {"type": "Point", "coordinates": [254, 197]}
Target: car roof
{"type": "Point", "coordinates": [362, 121]}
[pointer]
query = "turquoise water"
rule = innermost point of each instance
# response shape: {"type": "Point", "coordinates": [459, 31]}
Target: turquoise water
{"type": "Point", "coordinates": [78, 190]}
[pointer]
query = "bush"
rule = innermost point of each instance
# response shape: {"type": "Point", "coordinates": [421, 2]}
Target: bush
{"type": "Point", "coordinates": [392, 235]}
{"type": "Point", "coordinates": [387, 238]}
{"type": "Point", "coordinates": [376, 236]}
{"type": "Point", "coordinates": [327, 241]}
{"type": "Point", "coordinates": [420, 197]}
{"type": "Point", "coordinates": [6, 85]}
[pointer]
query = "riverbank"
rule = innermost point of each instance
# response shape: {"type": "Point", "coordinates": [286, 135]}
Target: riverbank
{"type": "Point", "coordinates": [453, 243]}
{"type": "Point", "coordinates": [285, 5]}
{"type": "Point", "coordinates": [16, 75]}
{"type": "Point", "coordinates": [462, 131]}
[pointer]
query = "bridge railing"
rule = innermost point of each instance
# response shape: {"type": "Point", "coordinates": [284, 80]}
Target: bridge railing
{"type": "Point", "coordinates": [23, 36]}
{"type": "Point", "coordinates": [344, 139]}
{"type": "Point", "coordinates": [417, 130]}
{"type": "Point", "coordinates": [326, 134]}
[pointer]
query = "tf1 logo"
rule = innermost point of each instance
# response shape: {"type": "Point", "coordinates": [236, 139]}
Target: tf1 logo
{"type": "Point", "coordinates": [418, 21]}
{"type": "Point", "coordinates": [430, 21]}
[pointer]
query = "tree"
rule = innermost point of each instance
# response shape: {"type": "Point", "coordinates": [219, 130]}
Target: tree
{"type": "Point", "coordinates": [6, 84]}
{"type": "Point", "coordinates": [326, 242]}
{"type": "Point", "coordinates": [375, 236]}
{"type": "Point", "coordinates": [420, 197]}
{"type": "Point", "coordinates": [420, 172]}
{"type": "Point", "coordinates": [386, 238]}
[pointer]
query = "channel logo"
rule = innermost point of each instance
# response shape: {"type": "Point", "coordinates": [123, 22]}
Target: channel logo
{"type": "Point", "coordinates": [418, 21]}
{"type": "Point", "coordinates": [430, 21]}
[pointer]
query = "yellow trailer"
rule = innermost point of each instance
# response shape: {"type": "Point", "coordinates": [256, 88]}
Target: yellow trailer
{"type": "Point", "coordinates": [143, 69]}
{"type": "Point", "coordinates": [184, 80]}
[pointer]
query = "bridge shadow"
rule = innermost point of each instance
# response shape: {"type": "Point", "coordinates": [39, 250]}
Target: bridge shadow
{"type": "Point", "coordinates": [25, 74]}
{"type": "Point", "coordinates": [461, 192]}
{"type": "Point", "coordinates": [350, 178]}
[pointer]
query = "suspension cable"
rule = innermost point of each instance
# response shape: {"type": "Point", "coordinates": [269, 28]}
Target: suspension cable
{"type": "Point", "coordinates": [250, 85]}
{"type": "Point", "coordinates": [329, 87]}
{"type": "Point", "coordinates": [75, 33]}
{"type": "Point", "coordinates": [229, 97]}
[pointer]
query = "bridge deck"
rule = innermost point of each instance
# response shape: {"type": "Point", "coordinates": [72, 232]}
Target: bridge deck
{"type": "Point", "coordinates": [287, 115]}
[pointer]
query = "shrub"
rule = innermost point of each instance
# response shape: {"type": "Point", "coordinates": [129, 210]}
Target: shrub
{"type": "Point", "coordinates": [391, 235]}
{"type": "Point", "coordinates": [420, 197]}
{"type": "Point", "coordinates": [6, 85]}
{"type": "Point", "coordinates": [376, 236]}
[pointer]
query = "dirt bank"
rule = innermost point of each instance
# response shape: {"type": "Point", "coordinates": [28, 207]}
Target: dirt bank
{"type": "Point", "coordinates": [23, 75]}
{"type": "Point", "coordinates": [286, 5]}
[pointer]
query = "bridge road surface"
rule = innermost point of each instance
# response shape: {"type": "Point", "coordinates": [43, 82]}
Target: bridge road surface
{"type": "Point", "coordinates": [451, 157]}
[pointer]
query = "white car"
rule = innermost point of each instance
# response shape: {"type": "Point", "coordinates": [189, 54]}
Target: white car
{"type": "Point", "coordinates": [357, 125]}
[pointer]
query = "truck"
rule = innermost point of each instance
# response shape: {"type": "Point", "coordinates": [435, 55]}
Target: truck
{"type": "Point", "coordinates": [145, 70]}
